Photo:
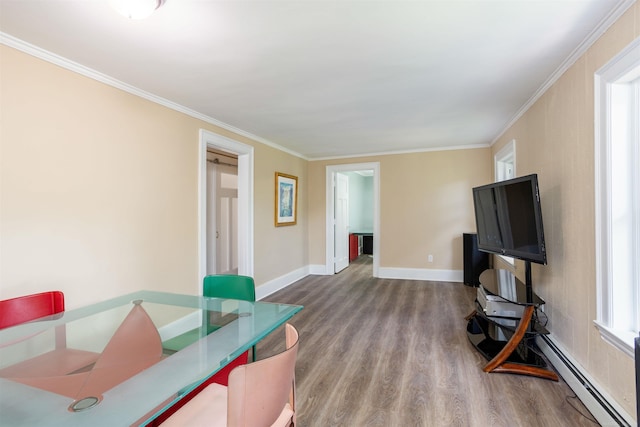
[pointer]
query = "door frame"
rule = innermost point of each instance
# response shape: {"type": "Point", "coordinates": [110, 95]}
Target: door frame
{"type": "Point", "coordinates": [341, 259]}
{"type": "Point", "coordinates": [208, 139]}
{"type": "Point", "coordinates": [331, 171]}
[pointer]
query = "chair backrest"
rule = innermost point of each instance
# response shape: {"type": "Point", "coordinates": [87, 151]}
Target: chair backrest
{"type": "Point", "coordinates": [30, 307]}
{"type": "Point", "coordinates": [229, 286]}
{"type": "Point", "coordinates": [259, 391]}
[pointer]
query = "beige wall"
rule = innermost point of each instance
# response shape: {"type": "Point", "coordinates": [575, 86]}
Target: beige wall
{"type": "Point", "coordinates": [278, 250]}
{"type": "Point", "coordinates": [98, 196]}
{"type": "Point", "coordinates": [555, 138]}
{"type": "Point", "coordinates": [98, 190]}
{"type": "Point", "coordinates": [426, 205]}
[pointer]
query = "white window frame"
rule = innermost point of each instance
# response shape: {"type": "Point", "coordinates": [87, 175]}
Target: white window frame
{"type": "Point", "coordinates": [502, 161]}
{"type": "Point", "coordinates": [624, 68]}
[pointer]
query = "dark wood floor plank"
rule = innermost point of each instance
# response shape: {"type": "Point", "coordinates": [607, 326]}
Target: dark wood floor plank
{"type": "Point", "coordinates": [381, 352]}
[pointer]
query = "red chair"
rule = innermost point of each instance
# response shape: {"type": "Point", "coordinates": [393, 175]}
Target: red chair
{"type": "Point", "coordinates": [30, 307]}
{"type": "Point", "coordinates": [61, 360]}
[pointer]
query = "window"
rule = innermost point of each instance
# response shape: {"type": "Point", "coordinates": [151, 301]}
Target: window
{"type": "Point", "coordinates": [617, 145]}
{"type": "Point", "coordinates": [505, 168]}
{"type": "Point", "coordinates": [505, 162]}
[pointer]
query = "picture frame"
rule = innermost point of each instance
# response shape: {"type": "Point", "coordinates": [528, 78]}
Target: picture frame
{"type": "Point", "coordinates": [286, 200]}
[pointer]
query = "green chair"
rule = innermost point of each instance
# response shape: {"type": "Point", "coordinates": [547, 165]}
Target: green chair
{"type": "Point", "coordinates": [229, 286]}
{"type": "Point", "coordinates": [226, 286]}
{"type": "Point", "coordinates": [232, 287]}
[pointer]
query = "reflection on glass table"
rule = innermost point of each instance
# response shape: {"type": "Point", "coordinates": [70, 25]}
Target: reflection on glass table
{"type": "Point", "coordinates": [133, 375]}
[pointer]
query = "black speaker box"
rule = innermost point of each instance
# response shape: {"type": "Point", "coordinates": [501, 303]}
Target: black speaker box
{"type": "Point", "coordinates": [475, 262]}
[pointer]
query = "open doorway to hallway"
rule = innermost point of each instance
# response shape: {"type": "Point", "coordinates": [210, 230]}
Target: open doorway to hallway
{"type": "Point", "coordinates": [222, 212]}
{"type": "Point", "coordinates": [353, 206]}
{"type": "Point", "coordinates": [244, 153]}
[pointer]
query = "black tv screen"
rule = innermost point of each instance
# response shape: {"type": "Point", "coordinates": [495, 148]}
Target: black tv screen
{"type": "Point", "coordinates": [509, 219]}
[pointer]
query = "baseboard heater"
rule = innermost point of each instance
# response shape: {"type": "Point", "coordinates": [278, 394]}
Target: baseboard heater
{"type": "Point", "coordinates": [605, 410]}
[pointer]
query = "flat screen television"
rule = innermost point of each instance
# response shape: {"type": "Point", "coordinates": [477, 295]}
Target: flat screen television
{"type": "Point", "coordinates": [509, 219]}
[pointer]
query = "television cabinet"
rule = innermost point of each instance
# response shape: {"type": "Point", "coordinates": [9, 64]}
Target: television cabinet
{"type": "Point", "coordinates": [503, 326]}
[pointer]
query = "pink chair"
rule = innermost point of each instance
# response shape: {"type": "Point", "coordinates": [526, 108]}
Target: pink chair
{"type": "Point", "coordinates": [260, 394]}
{"type": "Point", "coordinates": [30, 307]}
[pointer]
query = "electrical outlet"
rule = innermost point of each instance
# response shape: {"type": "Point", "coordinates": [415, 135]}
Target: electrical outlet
{"type": "Point", "coordinates": [430, 258]}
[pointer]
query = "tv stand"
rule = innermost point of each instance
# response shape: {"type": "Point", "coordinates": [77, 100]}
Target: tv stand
{"type": "Point", "coordinates": [502, 327]}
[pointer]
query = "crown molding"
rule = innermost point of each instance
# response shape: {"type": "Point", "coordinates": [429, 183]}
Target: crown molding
{"type": "Point", "coordinates": [582, 48]}
{"type": "Point", "coordinates": [45, 55]}
{"type": "Point", "coordinates": [390, 153]}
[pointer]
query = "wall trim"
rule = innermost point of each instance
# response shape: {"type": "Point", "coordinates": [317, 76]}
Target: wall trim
{"type": "Point", "coordinates": [279, 283]}
{"type": "Point", "coordinates": [319, 270]}
{"type": "Point", "coordinates": [394, 152]}
{"type": "Point", "coordinates": [582, 48]}
{"type": "Point", "coordinates": [601, 405]}
{"type": "Point", "coordinates": [180, 326]}
{"type": "Point", "coordinates": [274, 285]}
{"type": "Point", "coordinates": [421, 274]}
{"type": "Point", "coordinates": [75, 67]}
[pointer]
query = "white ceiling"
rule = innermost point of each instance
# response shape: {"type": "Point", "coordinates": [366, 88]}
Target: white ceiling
{"type": "Point", "coordinates": [330, 78]}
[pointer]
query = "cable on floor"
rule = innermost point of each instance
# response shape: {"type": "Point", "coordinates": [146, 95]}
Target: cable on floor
{"type": "Point", "coordinates": [589, 417]}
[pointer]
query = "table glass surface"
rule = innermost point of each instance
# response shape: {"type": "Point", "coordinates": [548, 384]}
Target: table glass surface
{"type": "Point", "coordinates": [131, 357]}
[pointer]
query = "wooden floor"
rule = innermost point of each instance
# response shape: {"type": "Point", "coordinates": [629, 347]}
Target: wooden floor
{"type": "Point", "coordinates": [381, 352]}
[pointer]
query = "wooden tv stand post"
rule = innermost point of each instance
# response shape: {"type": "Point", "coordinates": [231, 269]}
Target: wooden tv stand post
{"type": "Point", "coordinates": [503, 326]}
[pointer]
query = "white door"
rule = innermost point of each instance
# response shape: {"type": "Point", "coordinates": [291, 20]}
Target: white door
{"type": "Point", "coordinates": [227, 220]}
{"type": "Point", "coordinates": [341, 250]}
{"type": "Point", "coordinates": [211, 218]}
{"type": "Point", "coordinates": [222, 219]}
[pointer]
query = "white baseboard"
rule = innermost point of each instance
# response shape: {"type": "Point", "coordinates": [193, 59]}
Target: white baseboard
{"type": "Point", "coordinates": [601, 405]}
{"type": "Point", "coordinates": [282, 282]}
{"type": "Point", "coordinates": [421, 274]}
{"type": "Point", "coordinates": [403, 273]}
{"type": "Point", "coordinates": [180, 326]}
{"type": "Point", "coordinates": [319, 270]}
{"type": "Point", "coordinates": [266, 289]}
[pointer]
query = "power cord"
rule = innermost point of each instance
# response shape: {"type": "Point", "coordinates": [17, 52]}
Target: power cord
{"type": "Point", "coordinates": [589, 417]}
{"type": "Point", "coordinates": [542, 320]}
{"type": "Point", "coordinates": [569, 399]}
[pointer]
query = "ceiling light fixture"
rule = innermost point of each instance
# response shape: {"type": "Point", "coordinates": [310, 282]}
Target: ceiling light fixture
{"type": "Point", "coordinates": [136, 9]}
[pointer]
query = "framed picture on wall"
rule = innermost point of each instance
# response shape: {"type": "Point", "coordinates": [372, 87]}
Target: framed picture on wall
{"type": "Point", "coordinates": [286, 199]}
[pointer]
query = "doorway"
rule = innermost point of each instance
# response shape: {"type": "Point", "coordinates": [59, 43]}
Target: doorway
{"type": "Point", "coordinates": [244, 153]}
{"type": "Point", "coordinates": [222, 213]}
{"type": "Point", "coordinates": [333, 255]}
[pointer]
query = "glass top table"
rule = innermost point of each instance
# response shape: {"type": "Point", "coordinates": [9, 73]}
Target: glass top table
{"type": "Point", "coordinates": [124, 361]}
